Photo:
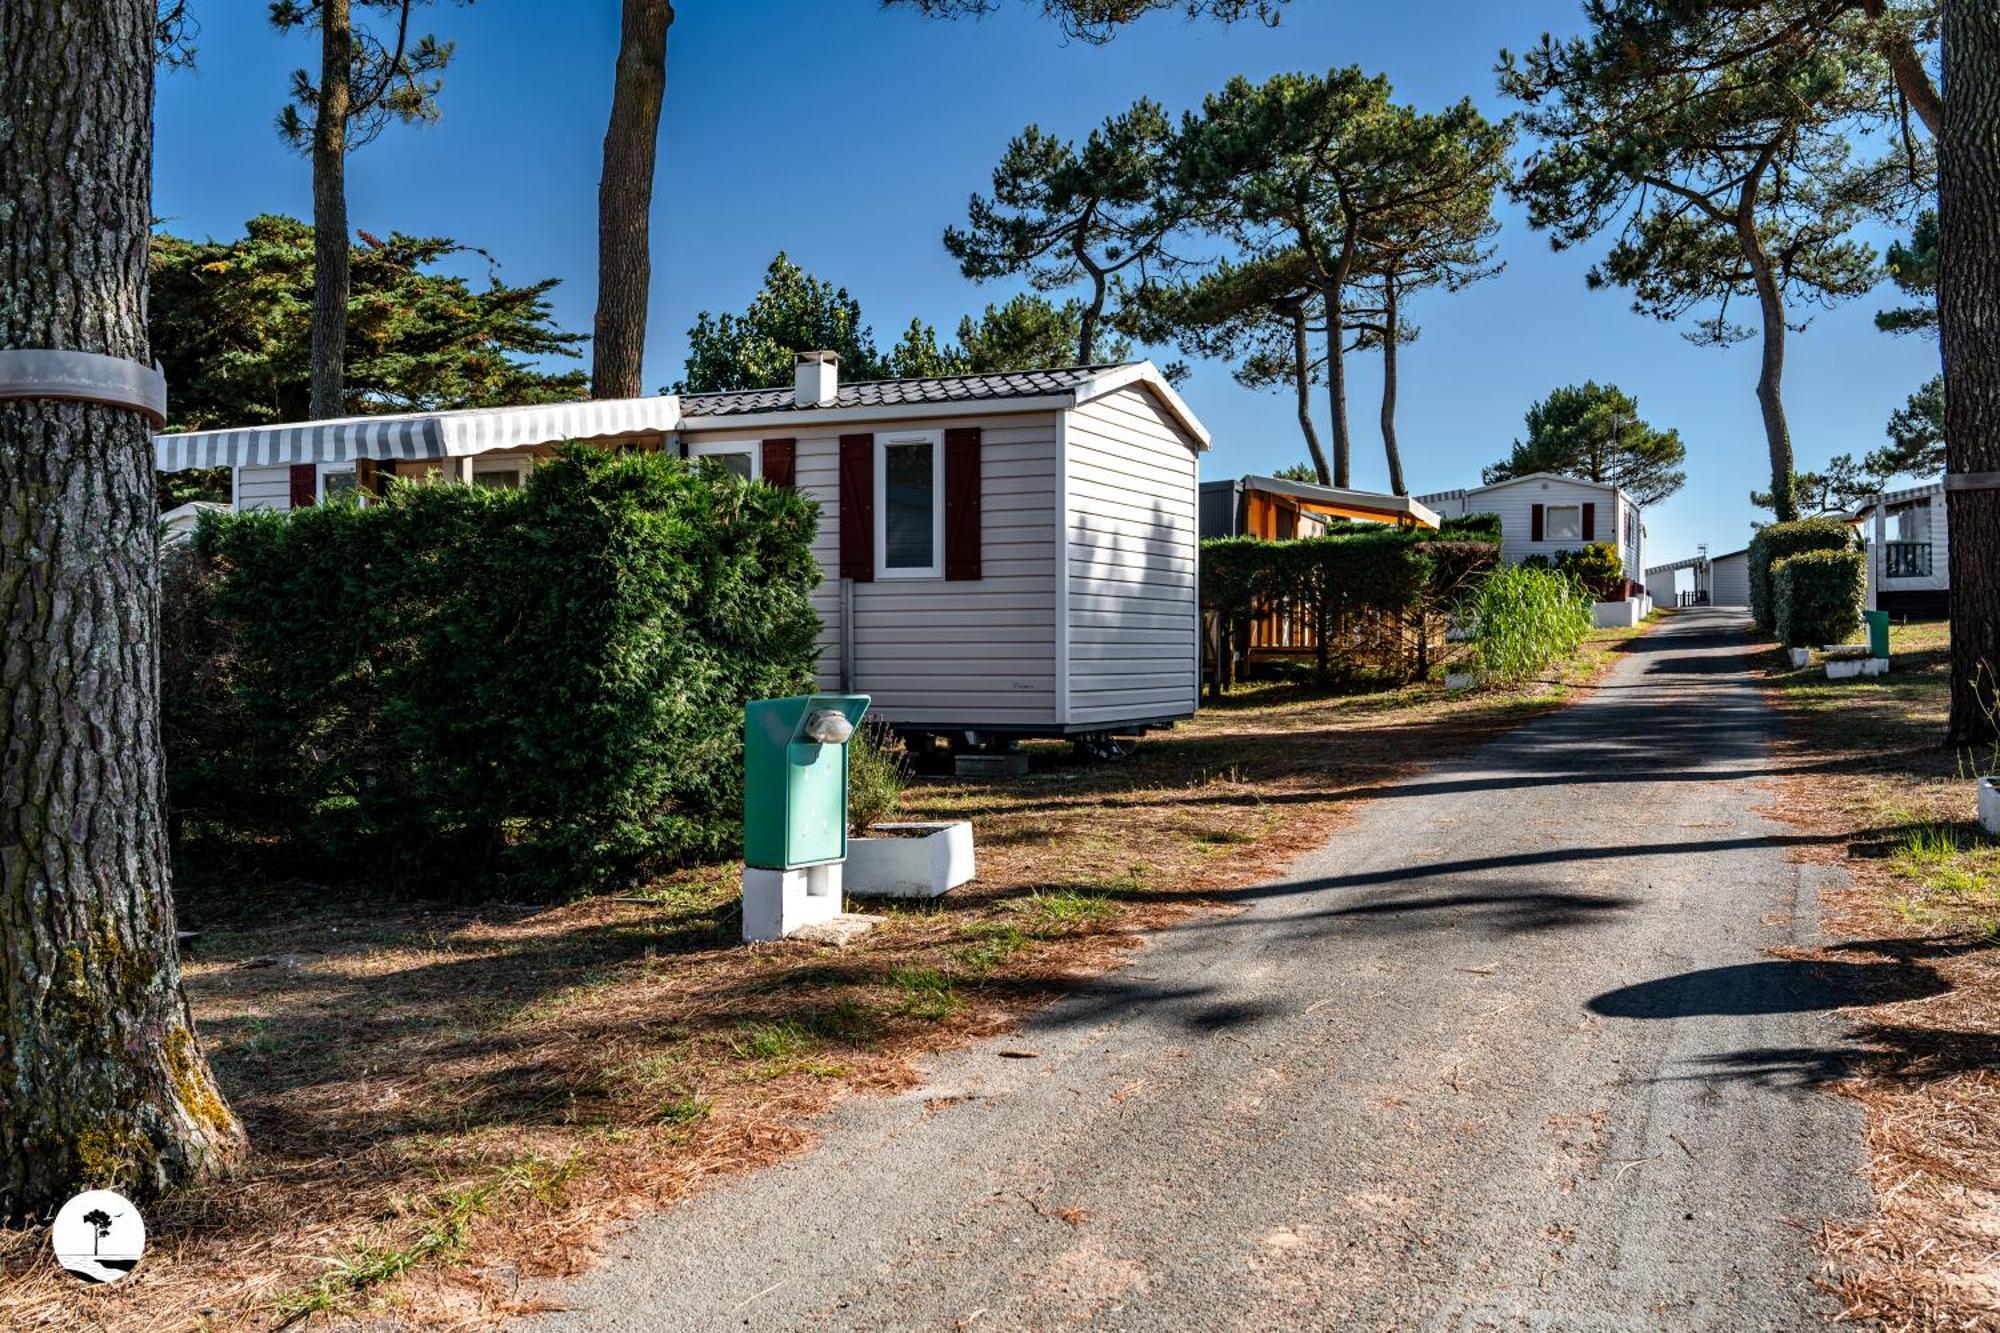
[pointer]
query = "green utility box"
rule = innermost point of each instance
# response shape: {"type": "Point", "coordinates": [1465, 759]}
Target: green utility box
{"type": "Point", "coordinates": [1878, 632]}
{"type": "Point", "coordinates": [795, 779]}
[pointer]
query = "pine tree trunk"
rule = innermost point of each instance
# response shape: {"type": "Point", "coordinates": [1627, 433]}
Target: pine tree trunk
{"type": "Point", "coordinates": [1969, 336]}
{"type": "Point", "coordinates": [330, 244]}
{"type": "Point", "coordinates": [1336, 384]}
{"type": "Point", "coordinates": [102, 1082]}
{"type": "Point", "coordinates": [1302, 384]}
{"type": "Point", "coordinates": [1771, 368]}
{"type": "Point", "coordinates": [625, 201]}
{"type": "Point", "coordinates": [1390, 332]}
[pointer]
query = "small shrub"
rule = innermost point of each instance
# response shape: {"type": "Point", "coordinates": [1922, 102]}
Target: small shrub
{"type": "Point", "coordinates": [1818, 596]}
{"type": "Point", "coordinates": [877, 772]}
{"type": "Point", "coordinates": [1778, 540]}
{"type": "Point", "coordinates": [1598, 567]}
{"type": "Point", "coordinates": [1471, 528]}
{"type": "Point", "coordinates": [1526, 618]}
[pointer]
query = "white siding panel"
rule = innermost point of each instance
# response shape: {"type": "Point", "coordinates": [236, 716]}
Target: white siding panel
{"type": "Point", "coordinates": [1133, 558]}
{"type": "Point", "coordinates": [263, 488]}
{"type": "Point", "coordinates": [931, 652]}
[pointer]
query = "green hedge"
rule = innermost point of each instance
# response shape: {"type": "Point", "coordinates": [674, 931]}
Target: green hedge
{"type": "Point", "coordinates": [1779, 540]}
{"type": "Point", "coordinates": [1818, 596]}
{"type": "Point", "coordinates": [1473, 527]}
{"type": "Point", "coordinates": [1525, 617]}
{"type": "Point", "coordinates": [535, 691]}
{"type": "Point", "coordinates": [1368, 592]}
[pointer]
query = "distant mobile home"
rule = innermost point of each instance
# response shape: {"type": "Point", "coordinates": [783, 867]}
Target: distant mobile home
{"type": "Point", "coordinates": [1545, 514]}
{"type": "Point", "coordinates": [1005, 555]}
{"type": "Point", "coordinates": [1279, 510]}
{"type": "Point", "coordinates": [1909, 551]}
{"type": "Point", "coordinates": [1722, 580]}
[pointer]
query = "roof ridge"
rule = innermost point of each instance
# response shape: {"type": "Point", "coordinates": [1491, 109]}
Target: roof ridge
{"type": "Point", "coordinates": [928, 379]}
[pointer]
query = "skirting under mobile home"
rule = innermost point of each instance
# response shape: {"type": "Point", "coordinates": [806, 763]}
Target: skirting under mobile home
{"type": "Point", "coordinates": [1005, 555]}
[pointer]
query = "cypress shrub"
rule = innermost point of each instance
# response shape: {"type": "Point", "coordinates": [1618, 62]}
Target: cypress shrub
{"type": "Point", "coordinates": [1774, 542]}
{"type": "Point", "coordinates": [537, 691]}
{"type": "Point", "coordinates": [1818, 596]}
{"type": "Point", "coordinates": [1526, 618]}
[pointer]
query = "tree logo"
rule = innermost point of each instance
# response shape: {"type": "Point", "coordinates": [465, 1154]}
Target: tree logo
{"type": "Point", "coordinates": [98, 1236]}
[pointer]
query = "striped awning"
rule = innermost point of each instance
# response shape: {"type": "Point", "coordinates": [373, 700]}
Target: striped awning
{"type": "Point", "coordinates": [417, 434]}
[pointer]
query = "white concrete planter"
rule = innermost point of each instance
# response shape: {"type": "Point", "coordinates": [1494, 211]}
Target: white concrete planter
{"type": "Point", "coordinates": [1989, 805]}
{"type": "Point", "coordinates": [917, 860]}
{"type": "Point", "coordinates": [1616, 615]}
{"type": "Point", "coordinates": [1463, 680]}
{"type": "Point", "coordinates": [1847, 668]}
{"type": "Point", "coordinates": [1800, 656]}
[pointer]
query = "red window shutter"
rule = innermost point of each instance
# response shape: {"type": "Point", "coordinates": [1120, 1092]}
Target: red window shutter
{"type": "Point", "coordinates": [781, 463]}
{"type": "Point", "coordinates": [961, 503]}
{"type": "Point", "coordinates": [1589, 522]}
{"type": "Point", "coordinates": [305, 484]}
{"type": "Point", "coordinates": [1534, 523]}
{"type": "Point", "coordinates": [857, 508]}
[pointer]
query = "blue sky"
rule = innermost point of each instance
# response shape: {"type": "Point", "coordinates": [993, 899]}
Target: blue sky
{"type": "Point", "coordinates": [850, 137]}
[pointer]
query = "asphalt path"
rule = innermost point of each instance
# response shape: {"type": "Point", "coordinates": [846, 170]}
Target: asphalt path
{"type": "Point", "coordinates": [1508, 1053]}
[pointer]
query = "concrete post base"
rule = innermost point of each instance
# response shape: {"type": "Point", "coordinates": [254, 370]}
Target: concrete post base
{"type": "Point", "coordinates": [778, 902]}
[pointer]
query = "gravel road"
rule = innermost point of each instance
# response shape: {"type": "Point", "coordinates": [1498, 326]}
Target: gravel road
{"type": "Point", "coordinates": [1506, 1054]}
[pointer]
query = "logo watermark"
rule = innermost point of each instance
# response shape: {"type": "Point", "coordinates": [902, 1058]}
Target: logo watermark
{"type": "Point", "coordinates": [98, 1236]}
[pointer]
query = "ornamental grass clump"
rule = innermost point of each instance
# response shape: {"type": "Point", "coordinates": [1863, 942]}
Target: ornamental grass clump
{"type": "Point", "coordinates": [1526, 618]}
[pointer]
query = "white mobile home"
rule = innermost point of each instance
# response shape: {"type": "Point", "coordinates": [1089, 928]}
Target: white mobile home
{"type": "Point", "coordinates": [1909, 551]}
{"type": "Point", "coordinates": [1722, 580]}
{"type": "Point", "coordinates": [1005, 555]}
{"type": "Point", "coordinates": [1545, 514]}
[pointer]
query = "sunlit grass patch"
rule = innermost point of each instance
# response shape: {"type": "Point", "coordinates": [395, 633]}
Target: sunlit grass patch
{"type": "Point", "coordinates": [987, 945]}
{"type": "Point", "coordinates": [926, 992]}
{"type": "Point", "coordinates": [1063, 911]}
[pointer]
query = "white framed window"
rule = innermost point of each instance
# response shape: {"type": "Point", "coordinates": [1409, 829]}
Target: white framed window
{"type": "Point", "coordinates": [743, 458]}
{"type": "Point", "coordinates": [503, 474]}
{"type": "Point", "coordinates": [1562, 523]}
{"type": "Point", "coordinates": [338, 481]}
{"type": "Point", "coordinates": [909, 505]}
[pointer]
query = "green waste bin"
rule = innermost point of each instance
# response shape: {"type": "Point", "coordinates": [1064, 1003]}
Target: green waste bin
{"type": "Point", "coordinates": [1878, 632]}
{"type": "Point", "coordinates": [795, 779]}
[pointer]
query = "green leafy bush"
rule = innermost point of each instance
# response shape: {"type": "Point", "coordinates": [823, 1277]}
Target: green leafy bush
{"type": "Point", "coordinates": [1525, 618]}
{"type": "Point", "coordinates": [1818, 596]}
{"type": "Point", "coordinates": [1776, 541]}
{"type": "Point", "coordinates": [537, 691]}
{"type": "Point", "coordinates": [1598, 567]}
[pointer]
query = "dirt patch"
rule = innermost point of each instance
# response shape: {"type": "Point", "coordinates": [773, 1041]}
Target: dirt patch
{"type": "Point", "coordinates": [1865, 774]}
{"type": "Point", "coordinates": [444, 1102]}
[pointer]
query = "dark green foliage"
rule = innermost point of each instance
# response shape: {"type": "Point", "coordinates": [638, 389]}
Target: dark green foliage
{"type": "Point", "coordinates": [1377, 592]}
{"type": "Point", "coordinates": [1594, 431]}
{"type": "Point", "coordinates": [519, 692]}
{"type": "Point", "coordinates": [1779, 540]}
{"type": "Point", "coordinates": [1473, 527]}
{"type": "Point", "coordinates": [1818, 596]}
{"type": "Point", "coordinates": [1095, 215]}
{"type": "Point", "coordinates": [231, 322]}
{"type": "Point", "coordinates": [796, 312]}
{"type": "Point", "coordinates": [1597, 567]}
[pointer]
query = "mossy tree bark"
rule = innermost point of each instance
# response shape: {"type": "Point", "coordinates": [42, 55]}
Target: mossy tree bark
{"type": "Point", "coordinates": [625, 201]}
{"type": "Point", "coordinates": [102, 1082]}
{"type": "Point", "coordinates": [1969, 336]}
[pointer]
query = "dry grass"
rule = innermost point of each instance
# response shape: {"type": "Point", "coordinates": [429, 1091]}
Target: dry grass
{"type": "Point", "coordinates": [1866, 767]}
{"type": "Point", "coordinates": [443, 1102]}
